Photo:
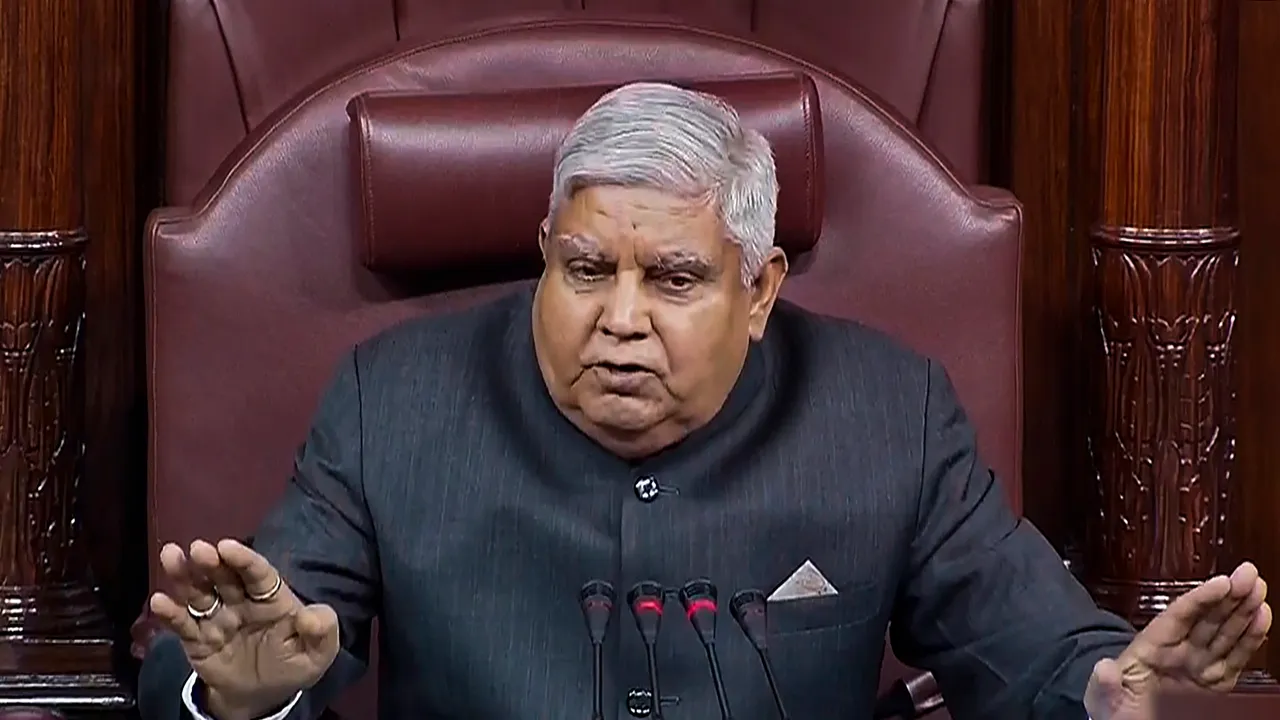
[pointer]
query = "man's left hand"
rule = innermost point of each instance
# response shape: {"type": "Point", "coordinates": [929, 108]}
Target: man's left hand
{"type": "Point", "coordinates": [1203, 639]}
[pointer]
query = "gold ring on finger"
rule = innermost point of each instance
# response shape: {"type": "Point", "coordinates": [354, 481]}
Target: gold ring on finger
{"type": "Point", "coordinates": [206, 613]}
{"type": "Point", "coordinates": [269, 595]}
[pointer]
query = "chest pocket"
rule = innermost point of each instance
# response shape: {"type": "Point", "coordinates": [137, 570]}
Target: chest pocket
{"type": "Point", "coordinates": [856, 605]}
{"type": "Point", "coordinates": [827, 651]}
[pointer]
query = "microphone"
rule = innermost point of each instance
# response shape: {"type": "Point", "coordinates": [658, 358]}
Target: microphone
{"type": "Point", "coordinates": [646, 600]}
{"type": "Point", "coordinates": [750, 609]}
{"type": "Point", "coordinates": [596, 600]}
{"type": "Point", "coordinates": [699, 600]}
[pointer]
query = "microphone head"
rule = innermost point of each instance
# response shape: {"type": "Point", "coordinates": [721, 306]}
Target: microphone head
{"type": "Point", "coordinates": [596, 600]}
{"type": "Point", "coordinates": [750, 610]}
{"type": "Point", "coordinates": [699, 600]}
{"type": "Point", "coordinates": [646, 599]}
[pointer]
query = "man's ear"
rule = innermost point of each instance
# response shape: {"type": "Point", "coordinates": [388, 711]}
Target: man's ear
{"type": "Point", "coordinates": [765, 291]}
{"type": "Point", "coordinates": [544, 232]}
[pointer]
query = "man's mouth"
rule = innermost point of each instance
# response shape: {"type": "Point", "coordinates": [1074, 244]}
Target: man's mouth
{"type": "Point", "coordinates": [622, 378]}
{"type": "Point", "coordinates": [622, 368]}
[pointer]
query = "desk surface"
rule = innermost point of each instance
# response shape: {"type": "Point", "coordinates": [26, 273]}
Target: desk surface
{"type": "Point", "coordinates": [1247, 705]}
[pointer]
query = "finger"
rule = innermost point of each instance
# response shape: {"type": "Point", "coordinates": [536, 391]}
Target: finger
{"type": "Point", "coordinates": [227, 582]}
{"type": "Point", "coordinates": [1207, 628]}
{"type": "Point", "coordinates": [256, 574]}
{"type": "Point", "coordinates": [1210, 625]}
{"type": "Point", "coordinates": [316, 624]}
{"type": "Point", "coordinates": [1252, 639]}
{"type": "Point", "coordinates": [1243, 579]}
{"type": "Point", "coordinates": [203, 593]}
{"type": "Point", "coordinates": [1239, 622]}
{"type": "Point", "coordinates": [173, 615]}
{"type": "Point", "coordinates": [1223, 673]}
{"type": "Point", "coordinates": [189, 587]}
{"type": "Point", "coordinates": [1176, 622]}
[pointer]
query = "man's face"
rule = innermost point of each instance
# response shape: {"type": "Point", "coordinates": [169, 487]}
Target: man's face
{"type": "Point", "coordinates": [641, 319]}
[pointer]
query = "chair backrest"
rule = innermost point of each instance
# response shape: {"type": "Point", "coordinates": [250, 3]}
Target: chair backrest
{"type": "Point", "coordinates": [340, 216]}
{"type": "Point", "coordinates": [233, 62]}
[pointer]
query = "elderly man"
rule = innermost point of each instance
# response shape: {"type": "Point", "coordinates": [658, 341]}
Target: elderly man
{"type": "Point", "coordinates": [650, 415]}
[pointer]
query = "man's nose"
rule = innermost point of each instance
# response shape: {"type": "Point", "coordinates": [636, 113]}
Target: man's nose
{"type": "Point", "coordinates": [625, 314]}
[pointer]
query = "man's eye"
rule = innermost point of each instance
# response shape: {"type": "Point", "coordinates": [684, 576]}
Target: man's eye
{"type": "Point", "coordinates": [585, 273]}
{"type": "Point", "coordinates": [679, 283]}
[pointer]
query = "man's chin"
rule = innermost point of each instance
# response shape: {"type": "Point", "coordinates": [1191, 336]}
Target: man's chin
{"type": "Point", "coordinates": [623, 415]}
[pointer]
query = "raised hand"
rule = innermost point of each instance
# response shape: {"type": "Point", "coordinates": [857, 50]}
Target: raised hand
{"type": "Point", "coordinates": [1204, 639]}
{"type": "Point", "coordinates": [247, 636]}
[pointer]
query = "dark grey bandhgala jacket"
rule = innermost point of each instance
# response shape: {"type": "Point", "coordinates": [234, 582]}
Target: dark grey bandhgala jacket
{"type": "Point", "coordinates": [442, 492]}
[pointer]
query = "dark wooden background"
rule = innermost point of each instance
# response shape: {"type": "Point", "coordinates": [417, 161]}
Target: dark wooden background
{"type": "Point", "coordinates": [1075, 96]}
{"type": "Point", "coordinates": [1067, 107]}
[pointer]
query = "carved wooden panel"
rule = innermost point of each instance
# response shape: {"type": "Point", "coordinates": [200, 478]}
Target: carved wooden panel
{"type": "Point", "coordinates": [52, 624]}
{"type": "Point", "coordinates": [41, 448]}
{"type": "Point", "coordinates": [1163, 444]}
{"type": "Point", "coordinates": [55, 638]}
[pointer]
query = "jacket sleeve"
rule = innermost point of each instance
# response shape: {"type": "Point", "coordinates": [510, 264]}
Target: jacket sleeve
{"type": "Point", "coordinates": [987, 605]}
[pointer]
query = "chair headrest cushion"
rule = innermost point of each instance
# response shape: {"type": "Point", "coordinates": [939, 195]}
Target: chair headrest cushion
{"type": "Point", "coordinates": [450, 181]}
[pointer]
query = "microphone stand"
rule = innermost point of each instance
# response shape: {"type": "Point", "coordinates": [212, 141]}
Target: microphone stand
{"type": "Point", "coordinates": [699, 600]}
{"type": "Point", "coordinates": [596, 600]}
{"type": "Point", "coordinates": [646, 599]}
{"type": "Point", "coordinates": [597, 681]}
{"type": "Point", "coordinates": [750, 610]}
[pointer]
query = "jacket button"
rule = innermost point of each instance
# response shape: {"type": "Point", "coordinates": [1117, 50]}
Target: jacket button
{"type": "Point", "coordinates": [647, 489]}
{"type": "Point", "coordinates": [639, 702]}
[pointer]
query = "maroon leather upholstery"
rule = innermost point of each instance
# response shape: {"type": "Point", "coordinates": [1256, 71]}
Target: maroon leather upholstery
{"type": "Point", "coordinates": [233, 62]}
{"type": "Point", "coordinates": [405, 141]}
{"type": "Point", "coordinates": [255, 290]}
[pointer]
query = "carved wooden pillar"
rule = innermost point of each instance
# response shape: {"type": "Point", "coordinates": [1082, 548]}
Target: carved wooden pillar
{"type": "Point", "coordinates": [55, 641]}
{"type": "Point", "coordinates": [1164, 252]}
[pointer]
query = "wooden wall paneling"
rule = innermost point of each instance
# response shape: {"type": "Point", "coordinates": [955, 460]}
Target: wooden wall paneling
{"type": "Point", "coordinates": [65, 221]}
{"type": "Point", "coordinates": [1034, 160]}
{"type": "Point", "coordinates": [1119, 129]}
{"type": "Point", "coordinates": [115, 102]}
{"type": "Point", "coordinates": [1258, 424]}
{"type": "Point", "coordinates": [1164, 254]}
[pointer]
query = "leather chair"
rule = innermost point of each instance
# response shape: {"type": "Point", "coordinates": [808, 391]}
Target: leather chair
{"type": "Point", "coordinates": [233, 62]}
{"type": "Point", "coordinates": [321, 230]}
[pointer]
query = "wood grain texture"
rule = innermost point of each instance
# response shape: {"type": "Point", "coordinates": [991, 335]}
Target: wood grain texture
{"type": "Point", "coordinates": [1035, 164]}
{"type": "Point", "coordinates": [114, 114]}
{"type": "Point", "coordinates": [39, 115]}
{"type": "Point", "coordinates": [1120, 140]}
{"type": "Point", "coordinates": [1163, 306]}
{"type": "Point", "coordinates": [55, 636]}
{"type": "Point", "coordinates": [1259, 404]}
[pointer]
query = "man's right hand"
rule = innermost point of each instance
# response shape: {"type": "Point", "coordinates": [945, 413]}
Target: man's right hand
{"type": "Point", "coordinates": [248, 637]}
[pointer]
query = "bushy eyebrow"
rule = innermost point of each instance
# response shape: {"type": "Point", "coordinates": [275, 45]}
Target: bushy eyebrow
{"type": "Point", "coordinates": [575, 245]}
{"type": "Point", "coordinates": [684, 261]}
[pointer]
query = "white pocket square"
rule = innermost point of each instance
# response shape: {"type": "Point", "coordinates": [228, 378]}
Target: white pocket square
{"type": "Point", "coordinates": [806, 582]}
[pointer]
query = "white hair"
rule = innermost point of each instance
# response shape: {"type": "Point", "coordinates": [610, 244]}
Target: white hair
{"type": "Point", "coordinates": [679, 141]}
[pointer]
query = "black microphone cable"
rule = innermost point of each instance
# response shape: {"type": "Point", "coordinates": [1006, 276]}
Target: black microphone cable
{"type": "Point", "coordinates": [750, 609]}
{"type": "Point", "coordinates": [699, 600]}
{"type": "Point", "coordinates": [596, 600]}
{"type": "Point", "coordinates": [647, 600]}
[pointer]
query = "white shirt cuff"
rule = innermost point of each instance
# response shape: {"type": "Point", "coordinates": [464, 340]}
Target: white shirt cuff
{"type": "Point", "coordinates": [188, 699]}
